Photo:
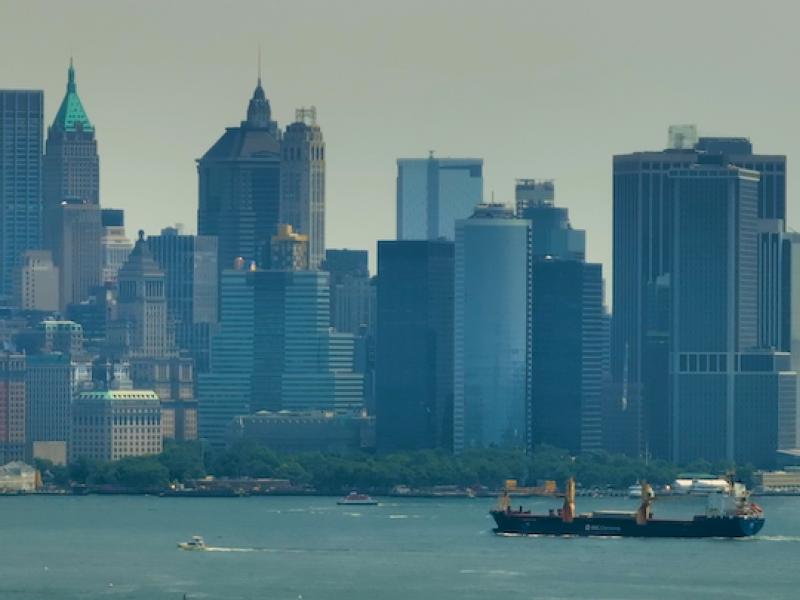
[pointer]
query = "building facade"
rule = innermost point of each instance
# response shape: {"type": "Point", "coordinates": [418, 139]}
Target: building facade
{"type": "Point", "coordinates": [414, 354]}
{"type": "Point", "coordinates": [21, 136]}
{"type": "Point", "coordinates": [492, 329]}
{"type": "Point", "coordinates": [299, 362]}
{"type": "Point", "coordinates": [12, 406]}
{"type": "Point", "coordinates": [191, 286]}
{"type": "Point", "coordinates": [115, 424]}
{"type": "Point", "coordinates": [432, 193]}
{"type": "Point", "coordinates": [303, 181]}
{"type": "Point", "coordinates": [115, 244]}
{"type": "Point", "coordinates": [225, 390]}
{"type": "Point", "coordinates": [142, 327]}
{"type": "Point", "coordinates": [39, 283]}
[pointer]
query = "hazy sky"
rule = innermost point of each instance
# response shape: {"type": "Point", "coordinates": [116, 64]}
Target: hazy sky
{"type": "Point", "coordinates": [538, 89]}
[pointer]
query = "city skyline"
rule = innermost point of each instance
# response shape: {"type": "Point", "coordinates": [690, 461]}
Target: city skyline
{"type": "Point", "coordinates": [517, 98]}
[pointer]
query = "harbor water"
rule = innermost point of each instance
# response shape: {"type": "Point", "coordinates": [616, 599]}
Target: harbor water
{"type": "Point", "coordinates": [125, 547]}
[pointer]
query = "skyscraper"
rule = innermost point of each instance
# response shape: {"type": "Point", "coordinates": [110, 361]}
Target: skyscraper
{"type": "Point", "coordinates": [239, 186]}
{"type": "Point", "coordinates": [352, 293]}
{"type": "Point", "coordinates": [225, 391]}
{"type": "Point", "coordinates": [72, 220]}
{"type": "Point", "coordinates": [142, 327]}
{"type": "Point", "coordinates": [552, 233]}
{"type": "Point", "coordinates": [299, 362]}
{"type": "Point", "coordinates": [567, 355]}
{"type": "Point", "coordinates": [492, 328]}
{"type": "Point", "coordinates": [568, 335]}
{"type": "Point", "coordinates": [432, 193]}
{"type": "Point", "coordinates": [654, 229]}
{"type": "Point", "coordinates": [727, 397]}
{"type": "Point", "coordinates": [21, 134]}
{"type": "Point", "coordinates": [191, 277]}
{"type": "Point", "coordinates": [303, 181]}
{"type": "Point", "coordinates": [414, 354]}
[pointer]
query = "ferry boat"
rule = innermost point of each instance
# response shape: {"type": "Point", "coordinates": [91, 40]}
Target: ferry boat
{"type": "Point", "coordinates": [196, 543]}
{"type": "Point", "coordinates": [729, 514]}
{"type": "Point", "coordinates": [356, 499]}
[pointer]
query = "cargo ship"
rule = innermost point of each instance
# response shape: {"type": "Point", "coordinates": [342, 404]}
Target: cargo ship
{"type": "Point", "coordinates": [729, 514]}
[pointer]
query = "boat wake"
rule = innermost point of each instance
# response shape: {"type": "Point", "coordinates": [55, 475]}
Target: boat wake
{"type": "Point", "coordinates": [774, 538]}
{"type": "Point", "coordinates": [496, 572]}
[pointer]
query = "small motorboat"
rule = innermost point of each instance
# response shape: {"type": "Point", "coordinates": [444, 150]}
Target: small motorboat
{"type": "Point", "coordinates": [354, 498]}
{"type": "Point", "coordinates": [196, 543]}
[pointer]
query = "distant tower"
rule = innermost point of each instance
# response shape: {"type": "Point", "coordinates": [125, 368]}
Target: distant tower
{"type": "Point", "coordinates": [492, 329]}
{"type": "Point", "coordinates": [303, 181]}
{"type": "Point", "coordinates": [239, 185]}
{"type": "Point", "coordinates": [116, 245]}
{"type": "Point", "coordinates": [142, 305]}
{"type": "Point", "coordinates": [432, 193]}
{"type": "Point", "coordinates": [72, 221]}
{"type": "Point", "coordinates": [21, 132]}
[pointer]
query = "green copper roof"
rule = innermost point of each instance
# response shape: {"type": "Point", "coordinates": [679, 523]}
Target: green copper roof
{"type": "Point", "coordinates": [71, 113]}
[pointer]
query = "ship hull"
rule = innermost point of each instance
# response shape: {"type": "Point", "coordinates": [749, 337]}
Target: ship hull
{"type": "Point", "coordinates": [623, 526]}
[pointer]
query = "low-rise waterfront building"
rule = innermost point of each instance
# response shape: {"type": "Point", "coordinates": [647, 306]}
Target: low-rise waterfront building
{"type": "Point", "coordinates": [113, 424]}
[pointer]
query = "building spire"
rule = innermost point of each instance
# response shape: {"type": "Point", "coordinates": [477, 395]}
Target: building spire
{"type": "Point", "coordinates": [71, 87]}
{"type": "Point", "coordinates": [258, 111]}
{"type": "Point", "coordinates": [259, 65]}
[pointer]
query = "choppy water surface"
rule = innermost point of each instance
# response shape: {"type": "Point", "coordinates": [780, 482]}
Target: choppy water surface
{"type": "Point", "coordinates": [290, 548]}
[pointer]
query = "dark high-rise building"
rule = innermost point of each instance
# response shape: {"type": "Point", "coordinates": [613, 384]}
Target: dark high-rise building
{"type": "Point", "coordinates": [72, 218]}
{"type": "Point", "coordinates": [567, 355]}
{"type": "Point", "coordinates": [568, 335]}
{"type": "Point", "coordinates": [191, 276]}
{"type": "Point", "coordinates": [303, 181]}
{"type": "Point", "coordinates": [239, 186]}
{"type": "Point", "coordinates": [677, 356]}
{"type": "Point", "coordinates": [21, 133]}
{"type": "Point", "coordinates": [414, 354]}
{"type": "Point", "coordinates": [726, 394]}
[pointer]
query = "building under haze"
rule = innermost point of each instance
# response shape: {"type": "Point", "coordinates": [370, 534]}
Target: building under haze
{"type": "Point", "coordinates": [414, 353]}
{"type": "Point", "coordinates": [38, 282]}
{"type": "Point", "coordinates": [568, 336]}
{"type": "Point", "coordinates": [303, 182]}
{"type": "Point", "coordinates": [116, 245]}
{"type": "Point", "coordinates": [300, 363]}
{"type": "Point", "coordinates": [71, 179]}
{"type": "Point", "coordinates": [240, 186]}
{"type": "Point", "coordinates": [432, 193]}
{"type": "Point", "coordinates": [21, 134]}
{"type": "Point", "coordinates": [697, 288]}
{"type": "Point", "coordinates": [191, 287]}
{"type": "Point", "coordinates": [225, 391]}
{"type": "Point", "coordinates": [492, 329]}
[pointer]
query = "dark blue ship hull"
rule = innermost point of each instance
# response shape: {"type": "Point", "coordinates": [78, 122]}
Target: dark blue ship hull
{"type": "Point", "coordinates": [525, 523]}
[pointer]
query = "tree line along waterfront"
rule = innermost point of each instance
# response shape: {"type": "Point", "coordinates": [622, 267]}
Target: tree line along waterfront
{"type": "Point", "coordinates": [486, 469]}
